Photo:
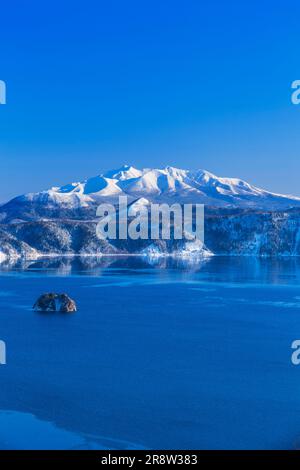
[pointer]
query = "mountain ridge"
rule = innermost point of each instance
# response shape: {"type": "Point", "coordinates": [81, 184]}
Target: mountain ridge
{"type": "Point", "coordinates": [169, 184]}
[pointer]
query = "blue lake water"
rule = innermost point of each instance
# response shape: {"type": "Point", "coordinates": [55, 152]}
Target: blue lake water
{"type": "Point", "coordinates": [160, 355]}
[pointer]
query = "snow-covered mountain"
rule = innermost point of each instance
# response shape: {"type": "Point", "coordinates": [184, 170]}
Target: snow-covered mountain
{"type": "Point", "coordinates": [242, 219]}
{"type": "Point", "coordinates": [79, 200]}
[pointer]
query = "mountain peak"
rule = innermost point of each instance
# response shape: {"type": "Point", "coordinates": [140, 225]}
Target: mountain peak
{"type": "Point", "coordinates": [123, 173]}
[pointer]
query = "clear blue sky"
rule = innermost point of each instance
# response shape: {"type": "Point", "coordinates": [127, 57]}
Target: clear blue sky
{"type": "Point", "coordinates": [94, 84]}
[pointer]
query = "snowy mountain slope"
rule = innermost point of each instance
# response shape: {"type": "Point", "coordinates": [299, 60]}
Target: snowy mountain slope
{"type": "Point", "coordinates": [251, 233]}
{"type": "Point", "coordinates": [79, 200]}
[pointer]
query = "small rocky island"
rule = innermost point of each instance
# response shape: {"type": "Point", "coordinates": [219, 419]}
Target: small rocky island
{"type": "Point", "coordinates": [52, 302]}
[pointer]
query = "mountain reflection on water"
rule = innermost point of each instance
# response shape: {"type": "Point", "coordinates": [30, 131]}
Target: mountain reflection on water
{"type": "Point", "coordinates": [215, 268]}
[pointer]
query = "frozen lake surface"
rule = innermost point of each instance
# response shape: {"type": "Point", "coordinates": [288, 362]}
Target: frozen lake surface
{"type": "Point", "coordinates": [160, 355]}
